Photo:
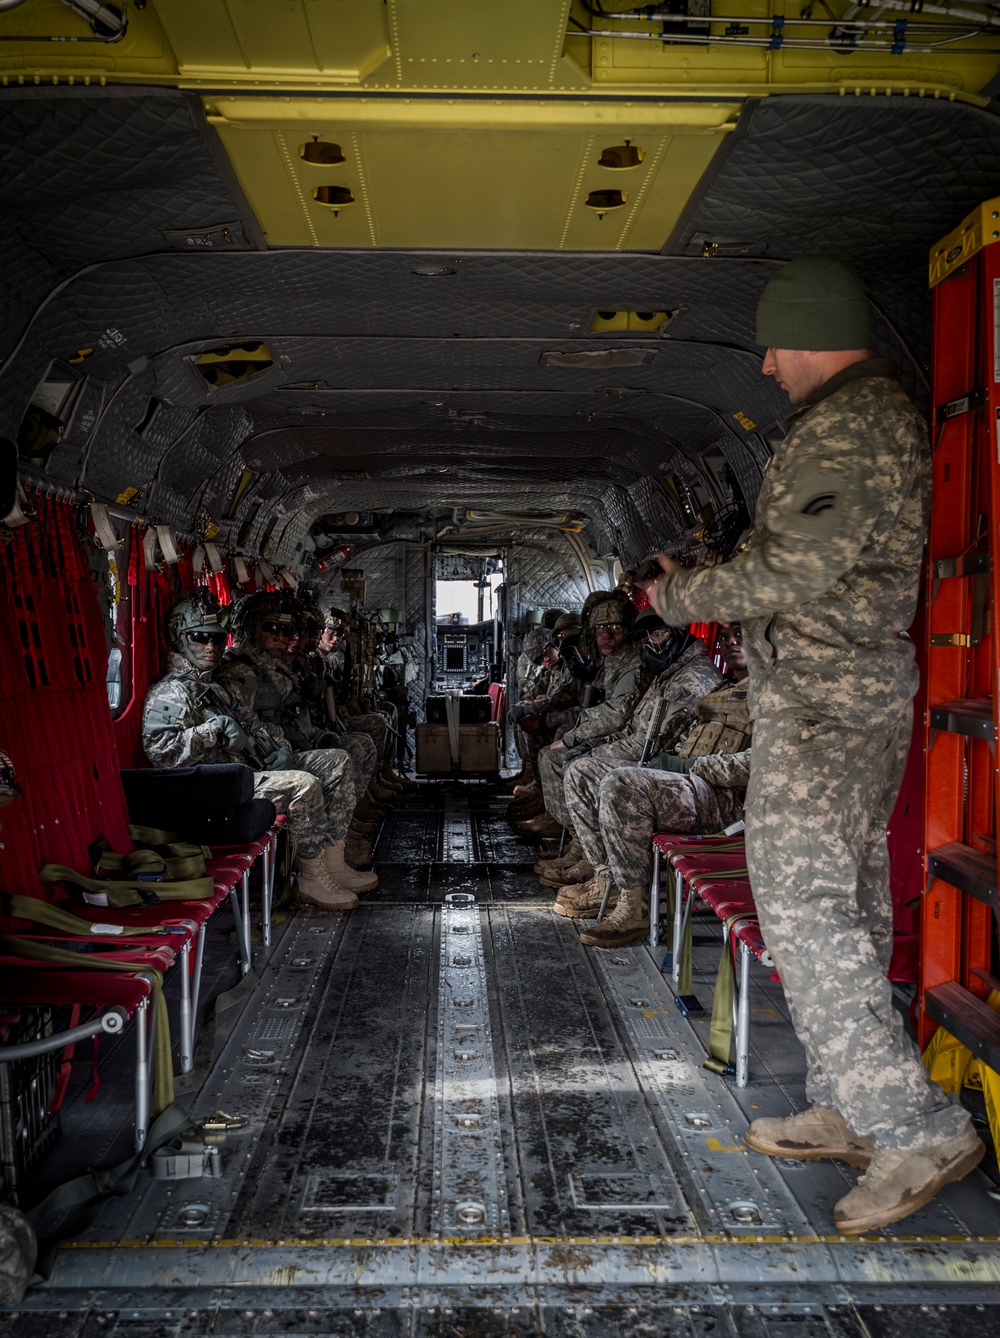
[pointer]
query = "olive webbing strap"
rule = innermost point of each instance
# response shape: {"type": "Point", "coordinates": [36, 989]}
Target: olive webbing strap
{"type": "Point", "coordinates": [126, 891]}
{"type": "Point", "coordinates": [163, 1073]}
{"type": "Point", "coordinates": [720, 1027]}
{"type": "Point", "coordinates": [685, 977]}
{"type": "Point", "coordinates": [44, 913]}
{"type": "Point", "coordinates": [71, 1207]}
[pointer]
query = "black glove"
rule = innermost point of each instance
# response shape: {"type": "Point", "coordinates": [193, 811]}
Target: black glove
{"type": "Point", "coordinates": [671, 762]}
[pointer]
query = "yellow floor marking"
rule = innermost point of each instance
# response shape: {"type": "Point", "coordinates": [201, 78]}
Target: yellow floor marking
{"type": "Point", "coordinates": [715, 1146]}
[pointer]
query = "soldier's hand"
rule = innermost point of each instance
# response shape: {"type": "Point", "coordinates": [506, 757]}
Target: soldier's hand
{"type": "Point", "coordinates": [230, 735]}
{"type": "Point", "coordinates": [671, 762]}
{"type": "Point", "coordinates": [666, 565]}
{"type": "Point", "coordinates": [279, 760]}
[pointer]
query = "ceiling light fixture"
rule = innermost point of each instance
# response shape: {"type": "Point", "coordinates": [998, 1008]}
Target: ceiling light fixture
{"type": "Point", "coordinates": [433, 271]}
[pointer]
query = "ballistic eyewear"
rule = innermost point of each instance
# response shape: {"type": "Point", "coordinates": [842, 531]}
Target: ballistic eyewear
{"type": "Point", "coordinates": [278, 629]}
{"type": "Point", "coordinates": [207, 638]}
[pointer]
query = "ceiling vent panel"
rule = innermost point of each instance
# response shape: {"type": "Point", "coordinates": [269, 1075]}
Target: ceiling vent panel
{"type": "Point", "coordinates": [606, 321]}
{"type": "Point", "coordinates": [599, 358]}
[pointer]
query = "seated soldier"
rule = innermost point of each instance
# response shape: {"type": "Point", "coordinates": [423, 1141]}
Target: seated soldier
{"type": "Point", "coordinates": [530, 680]}
{"type": "Point", "coordinates": [698, 786]}
{"type": "Point", "coordinates": [189, 718]}
{"type": "Point", "coordinates": [682, 674]}
{"type": "Point", "coordinates": [622, 680]}
{"type": "Point", "coordinates": [547, 717]}
{"type": "Point", "coordinates": [254, 671]}
{"type": "Point", "coordinates": [331, 650]}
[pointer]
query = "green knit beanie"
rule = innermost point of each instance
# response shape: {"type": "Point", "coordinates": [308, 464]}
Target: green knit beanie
{"type": "Point", "coordinates": [815, 302]}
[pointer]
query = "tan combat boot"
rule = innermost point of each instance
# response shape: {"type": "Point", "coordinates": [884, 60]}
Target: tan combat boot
{"type": "Point", "coordinates": [582, 901]}
{"type": "Point", "coordinates": [811, 1135]}
{"type": "Point", "coordinates": [341, 872]}
{"type": "Point", "coordinates": [628, 922]}
{"type": "Point", "coordinates": [378, 793]}
{"type": "Point", "coordinates": [359, 828]}
{"type": "Point", "coordinates": [531, 789]}
{"type": "Point", "coordinates": [357, 851]}
{"type": "Point", "coordinates": [576, 874]}
{"type": "Point", "coordinates": [897, 1183]}
{"type": "Point", "coordinates": [547, 862]}
{"type": "Point", "coordinates": [366, 811]}
{"type": "Point", "coordinates": [315, 887]}
{"type": "Point", "coordinates": [542, 825]}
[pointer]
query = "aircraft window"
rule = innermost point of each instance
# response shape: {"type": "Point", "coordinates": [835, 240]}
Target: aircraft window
{"type": "Point", "coordinates": [246, 478]}
{"type": "Point", "coordinates": [622, 155]}
{"type": "Point", "coordinates": [337, 197]}
{"type": "Point", "coordinates": [321, 151]}
{"type": "Point", "coordinates": [221, 366]}
{"type": "Point", "coordinates": [45, 417]}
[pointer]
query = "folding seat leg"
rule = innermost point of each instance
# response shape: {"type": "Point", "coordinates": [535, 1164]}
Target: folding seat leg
{"type": "Point", "coordinates": [143, 1073]}
{"type": "Point", "coordinates": [743, 1020]}
{"type": "Point", "coordinates": [681, 912]}
{"type": "Point", "coordinates": [242, 931]}
{"type": "Point", "coordinates": [654, 900]}
{"type": "Point", "coordinates": [187, 1016]}
{"type": "Point", "coordinates": [245, 903]}
{"type": "Point", "coordinates": [199, 957]}
{"type": "Point", "coordinates": [267, 892]}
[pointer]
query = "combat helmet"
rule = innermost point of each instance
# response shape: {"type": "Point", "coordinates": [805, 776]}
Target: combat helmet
{"type": "Point", "coordinates": [336, 620]}
{"type": "Point", "coordinates": [197, 611]}
{"type": "Point", "coordinates": [280, 606]}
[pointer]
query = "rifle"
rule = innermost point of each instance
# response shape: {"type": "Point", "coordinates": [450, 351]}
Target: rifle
{"type": "Point", "coordinates": [653, 730]}
{"type": "Point", "coordinates": [209, 697]}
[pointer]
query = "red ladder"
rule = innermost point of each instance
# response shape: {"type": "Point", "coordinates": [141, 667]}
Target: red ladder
{"type": "Point", "coordinates": [960, 905]}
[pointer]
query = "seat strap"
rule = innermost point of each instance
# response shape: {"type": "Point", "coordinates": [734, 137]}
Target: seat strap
{"type": "Point", "coordinates": [128, 891]}
{"type": "Point", "coordinates": [720, 1027]}
{"type": "Point", "coordinates": [54, 917]}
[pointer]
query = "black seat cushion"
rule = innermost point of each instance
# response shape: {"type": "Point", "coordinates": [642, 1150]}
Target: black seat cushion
{"type": "Point", "coordinates": [210, 804]}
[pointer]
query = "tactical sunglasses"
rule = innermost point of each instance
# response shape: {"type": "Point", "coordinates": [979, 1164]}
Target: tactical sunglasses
{"type": "Point", "coordinates": [207, 638]}
{"type": "Point", "coordinates": [609, 627]}
{"type": "Point", "coordinates": [278, 629]}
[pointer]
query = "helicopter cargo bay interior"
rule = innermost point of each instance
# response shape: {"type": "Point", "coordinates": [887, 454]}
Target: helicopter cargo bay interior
{"type": "Point", "coordinates": [363, 355]}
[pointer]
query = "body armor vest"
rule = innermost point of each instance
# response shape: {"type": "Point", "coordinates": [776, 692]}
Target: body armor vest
{"type": "Point", "coordinates": [721, 724]}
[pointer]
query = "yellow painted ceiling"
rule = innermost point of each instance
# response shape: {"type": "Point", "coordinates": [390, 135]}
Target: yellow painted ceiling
{"type": "Point", "coordinates": [472, 122]}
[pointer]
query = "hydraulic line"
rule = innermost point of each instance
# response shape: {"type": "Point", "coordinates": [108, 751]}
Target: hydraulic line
{"type": "Point", "coordinates": [979, 17]}
{"type": "Point", "coordinates": [847, 43]}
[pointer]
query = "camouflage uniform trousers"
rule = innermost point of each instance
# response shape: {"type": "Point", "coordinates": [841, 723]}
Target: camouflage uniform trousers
{"type": "Point", "coordinates": [319, 796]}
{"type": "Point", "coordinates": [376, 728]}
{"type": "Point", "coordinates": [364, 757]}
{"type": "Point", "coordinates": [616, 809]}
{"type": "Point", "coordinates": [819, 799]}
{"type": "Point", "coordinates": [552, 768]}
{"type": "Point", "coordinates": [553, 726]}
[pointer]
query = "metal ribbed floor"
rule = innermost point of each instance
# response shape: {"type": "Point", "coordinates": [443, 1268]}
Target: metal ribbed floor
{"type": "Point", "coordinates": [462, 1122]}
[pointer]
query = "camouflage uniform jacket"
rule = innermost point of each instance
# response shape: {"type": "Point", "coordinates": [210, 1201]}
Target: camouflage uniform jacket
{"type": "Point", "coordinates": [828, 585]}
{"type": "Point", "coordinates": [682, 686]}
{"type": "Point", "coordinates": [265, 687]}
{"type": "Point", "coordinates": [179, 730]}
{"type": "Point", "coordinates": [717, 738]}
{"type": "Point", "coordinates": [624, 680]}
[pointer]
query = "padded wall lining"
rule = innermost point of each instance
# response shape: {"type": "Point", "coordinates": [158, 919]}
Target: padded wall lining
{"type": "Point", "coordinates": [875, 181]}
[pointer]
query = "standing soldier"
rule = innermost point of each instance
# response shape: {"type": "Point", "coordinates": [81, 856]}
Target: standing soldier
{"type": "Point", "coordinates": [826, 591]}
{"type": "Point", "coordinates": [189, 718]}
